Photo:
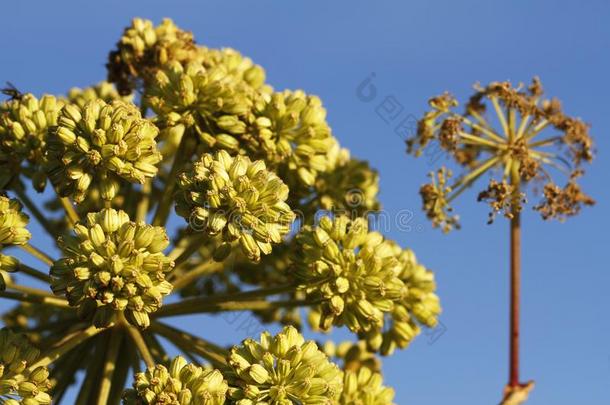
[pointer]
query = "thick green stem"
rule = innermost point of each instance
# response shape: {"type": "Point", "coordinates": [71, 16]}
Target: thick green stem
{"type": "Point", "coordinates": [255, 305]}
{"type": "Point", "coordinates": [110, 365]}
{"type": "Point", "coordinates": [189, 343]}
{"type": "Point", "coordinates": [65, 346]}
{"type": "Point", "coordinates": [182, 156]}
{"type": "Point", "coordinates": [181, 279]}
{"type": "Point", "coordinates": [37, 253]}
{"type": "Point", "coordinates": [144, 203]}
{"type": "Point", "coordinates": [137, 338]}
{"type": "Point", "coordinates": [38, 299]}
{"type": "Point", "coordinates": [182, 253]}
{"type": "Point", "coordinates": [70, 211]}
{"type": "Point", "coordinates": [40, 217]}
{"type": "Point", "coordinates": [37, 274]}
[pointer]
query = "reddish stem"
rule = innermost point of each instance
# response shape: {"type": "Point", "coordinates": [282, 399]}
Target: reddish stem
{"type": "Point", "coordinates": [515, 287]}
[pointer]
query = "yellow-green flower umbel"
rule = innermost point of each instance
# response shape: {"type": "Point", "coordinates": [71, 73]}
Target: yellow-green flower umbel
{"type": "Point", "coordinates": [103, 90]}
{"type": "Point", "coordinates": [352, 271]}
{"type": "Point", "coordinates": [282, 370]}
{"type": "Point", "coordinates": [209, 101]}
{"type": "Point", "coordinates": [144, 48]}
{"type": "Point", "coordinates": [100, 144]}
{"type": "Point", "coordinates": [365, 387]}
{"type": "Point", "coordinates": [13, 231]}
{"type": "Point", "coordinates": [290, 129]}
{"type": "Point", "coordinates": [24, 122]}
{"type": "Point", "coordinates": [181, 384]}
{"type": "Point", "coordinates": [19, 384]}
{"type": "Point", "coordinates": [236, 197]}
{"type": "Point", "coordinates": [418, 306]}
{"type": "Point", "coordinates": [113, 265]}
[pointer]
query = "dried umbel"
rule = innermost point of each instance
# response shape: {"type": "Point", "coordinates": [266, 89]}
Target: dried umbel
{"type": "Point", "coordinates": [282, 370]}
{"type": "Point", "coordinates": [237, 198]}
{"type": "Point", "coordinates": [181, 384]}
{"type": "Point", "coordinates": [101, 144]}
{"type": "Point", "coordinates": [24, 122]}
{"type": "Point", "coordinates": [21, 380]}
{"type": "Point", "coordinates": [113, 266]}
{"type": "Point", "coordinates": [435, 197]}
{"type": "Point", "coordinates": [211, 152]}
{"type": "Point", "coordinates": [529, 138]}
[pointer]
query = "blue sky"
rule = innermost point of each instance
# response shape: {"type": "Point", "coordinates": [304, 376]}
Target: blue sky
{"type": "Point", "coordinates": [415, 49]}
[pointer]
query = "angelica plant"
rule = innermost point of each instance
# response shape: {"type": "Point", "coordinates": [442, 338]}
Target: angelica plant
{"type": "Point", "coordinates": [269, 215]}
{"type": "Point", "coordinates": [522, 145]}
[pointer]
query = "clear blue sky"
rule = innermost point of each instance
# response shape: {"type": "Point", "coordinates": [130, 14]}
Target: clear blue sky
{"type": "Point", "coordinates": [416, 49]}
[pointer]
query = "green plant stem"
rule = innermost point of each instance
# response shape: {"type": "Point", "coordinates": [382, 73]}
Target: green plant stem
{"type": "Point", "coordinates": [189, 343]}
{"type": "Point", "coordinates": [182, 253]}
{"type": "Point", "coordinates": [40, 217]}
{"type": "Point", "coordinates": [87, 392]}
{"type": "Point", "coordinates": [182, 156]}
{"type": "Point", "coordinates": [182, 279]}
{"type": "Point", "coordinates": [144, 203]}
{"type": "Point", "coordinates": [33, 291]}
{"type": "Point", "coordinates": [65, 345]}
{"type": "Point", "coordinates": [70, 211]}
{"type": "Point", "coordinates": [65, 368]}
{"type": "Point", "coordinates": [37, 274]}
{"type": "Point", "coordinates": [138, 340]}
{"type": "Point", "coordinates": [116, 335]}
{"type": "Point", "coordinates": [38, 299]}
{"type": "Point", "coordinates": [156, 348]}
{"type": "Point", "coordinates": [37, 253]}
{"type": "Point", "coordinates": [201, 302]}
{"type": "Point", "coordinates": [193, 307]}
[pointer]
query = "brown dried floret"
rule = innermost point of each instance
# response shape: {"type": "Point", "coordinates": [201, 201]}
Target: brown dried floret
{"type": "Point", "coordinates": [449, 133]}
{"type": "Point", "coordinates": [564, 202]}
{"type": "Point", "coordinates": [501, 197]}
{"type": "Point", "coordinates": [435, 203]}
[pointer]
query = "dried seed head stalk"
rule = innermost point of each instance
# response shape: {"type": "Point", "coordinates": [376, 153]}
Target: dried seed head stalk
{"type": "Point", "coordinates": [525, 140]}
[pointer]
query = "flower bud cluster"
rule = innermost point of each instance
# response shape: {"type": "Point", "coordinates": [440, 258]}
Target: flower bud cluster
{"type": "Point", "coordinates": [24, 122]}
{"type": "Point", "coordinates": [113, 265]}
{"type": "Point", "coordinates": [13, 231]}
{"type": "Point", "coordinates": [103, 90]}
{"type": "Point", "coordinates": [282, 370]}
{"type": "Point", "coordinates": [351, 271]}
{"type": "Point", "coordinates": [207, 100]}
{"type": "Point", "coordinates": [237, 198]}
{"type": "Point", "coordinates": [101, 144]}
{"type": "Point", "coordinates": [19, 384]}
{"type": "Point", "coordinates": [181, 384]}
{"type": "Point", "coordinates": [143, 48]}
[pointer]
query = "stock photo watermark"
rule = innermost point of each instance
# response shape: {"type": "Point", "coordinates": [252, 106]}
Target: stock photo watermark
{"type": "Point", "coordinates": [393, 113]}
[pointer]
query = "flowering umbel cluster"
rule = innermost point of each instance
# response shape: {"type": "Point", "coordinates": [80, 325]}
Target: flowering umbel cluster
{"type": "Point", "coordinates": [175, 189]}
{"type": "Point", "coordinates": [22, 381]}
{"type": "Point", "coordinates": [13, 231]}
{"type": "Point", "coordinates": [181, 384]}
{"type": "Point", "coordinates": [525, 139]}
{"type": "Point", "coordinates": [113, 265]}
